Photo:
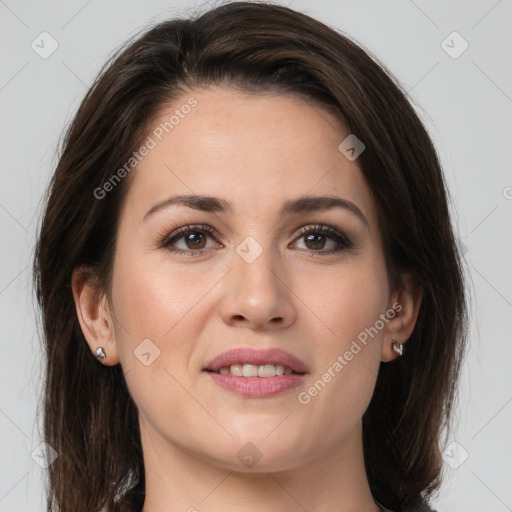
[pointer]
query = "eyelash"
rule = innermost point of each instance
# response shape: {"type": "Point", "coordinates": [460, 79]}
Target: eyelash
{"type": "Point", "coordinates": [342, 241]}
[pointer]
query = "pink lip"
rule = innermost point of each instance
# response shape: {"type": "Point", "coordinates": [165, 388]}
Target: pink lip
{"type": "Point", "coordinates": [256, 357]}
{"type": "Point", "coordinates": [256, 387]}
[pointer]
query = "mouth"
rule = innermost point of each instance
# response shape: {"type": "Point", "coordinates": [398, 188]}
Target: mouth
{"type": "Point", "coordinates": [256, 373]}
{"type": "Point", "coordinates": [250, 362]}
{"type": "Point", "coordinates": [253, 370]}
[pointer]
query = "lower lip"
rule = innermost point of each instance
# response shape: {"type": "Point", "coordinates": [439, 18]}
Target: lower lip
{"type": "Point", "coordinates": [257, 387]}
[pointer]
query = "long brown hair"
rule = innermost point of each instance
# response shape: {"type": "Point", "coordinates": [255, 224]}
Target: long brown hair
{"type": "Point", "coordinates": [90, 418]}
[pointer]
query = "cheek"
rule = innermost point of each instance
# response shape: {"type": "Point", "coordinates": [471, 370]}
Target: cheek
{"type": "Point", "coordinates": [155, 301]}
{"type": "Point", "coordinates": [346, 301]}
{"type": "Point", "coordinates": [152, 299]}
{"type": "Point", "coordinates": [350, 303]}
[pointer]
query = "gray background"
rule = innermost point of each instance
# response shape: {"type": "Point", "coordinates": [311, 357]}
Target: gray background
{"type": "Point", "coordinates": [466, 103]}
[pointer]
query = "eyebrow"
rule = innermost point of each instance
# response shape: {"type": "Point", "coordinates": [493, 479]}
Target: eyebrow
{"type": "Point", "coordinates": [294, 206]}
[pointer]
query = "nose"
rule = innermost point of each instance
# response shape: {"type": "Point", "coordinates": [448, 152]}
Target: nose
{"type": "Point", "coordinates": [257, 295]}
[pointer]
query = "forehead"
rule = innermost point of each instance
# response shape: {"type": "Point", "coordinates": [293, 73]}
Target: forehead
{"type": "Point", "coordinates": [254, 150]}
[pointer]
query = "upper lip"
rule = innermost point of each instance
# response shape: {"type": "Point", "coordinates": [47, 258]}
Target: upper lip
{"type": "Point", "coordinates": [253, 356]}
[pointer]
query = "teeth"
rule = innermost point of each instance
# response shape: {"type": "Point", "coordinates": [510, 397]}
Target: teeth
{"type": "Point", "coordinates": [266, 370]}
{"type": "Point", "coordinates": [236, 369]}
{"type": "Point", "coordinates": [249, 370]}
{"type": "Point", "coordinates": [253, 370]}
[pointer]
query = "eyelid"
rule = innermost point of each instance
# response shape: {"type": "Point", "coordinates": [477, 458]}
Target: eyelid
{"type": "Point", "coordinates": [325, 229]}
{"type": "Point", "coordinates": [179, 232]}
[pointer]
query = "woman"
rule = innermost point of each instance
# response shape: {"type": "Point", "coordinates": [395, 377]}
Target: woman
{"type": "Point", "coordinates": [250, 288]}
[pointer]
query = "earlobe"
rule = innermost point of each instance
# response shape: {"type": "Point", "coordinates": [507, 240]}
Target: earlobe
{"type": "Point", "coordinates": [94, 316]}
{"type": "Point", "coordinates": [406, 304]}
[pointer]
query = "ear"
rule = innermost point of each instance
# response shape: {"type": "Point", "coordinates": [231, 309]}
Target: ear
{"type": "Point", "coordinates": [406, 305]}
{"type": "Point", "coordinates": [94, 315]}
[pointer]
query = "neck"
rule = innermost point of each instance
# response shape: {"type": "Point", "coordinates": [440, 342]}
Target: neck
{"type": "Point", "coordinates": [178, 481]}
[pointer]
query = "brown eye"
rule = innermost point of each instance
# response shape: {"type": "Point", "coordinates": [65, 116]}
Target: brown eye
{"type": "Point", "coordinates": [194, 239]}
{"type": "Point", "coordinates": [314, 241]}
{"type": "Point", "coordinates": [316, 237]}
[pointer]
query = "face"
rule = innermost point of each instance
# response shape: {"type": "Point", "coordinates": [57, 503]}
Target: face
{"type": "Point", "coordinates": [308, 282]}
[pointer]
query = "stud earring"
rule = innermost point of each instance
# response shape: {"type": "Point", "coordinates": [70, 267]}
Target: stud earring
{"type": "Point", "coordinates": [398, 347]}
{"type": "Point", "coordinates": [100, 353]}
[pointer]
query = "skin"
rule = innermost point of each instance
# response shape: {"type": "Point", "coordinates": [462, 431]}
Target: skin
{"type": "Point", "coordinates": [254, 151]}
